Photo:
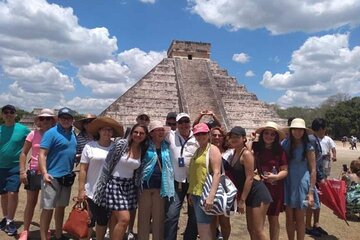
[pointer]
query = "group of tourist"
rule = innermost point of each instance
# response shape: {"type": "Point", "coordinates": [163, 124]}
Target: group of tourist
{"type": "Point", "coordinates": [154, 166]}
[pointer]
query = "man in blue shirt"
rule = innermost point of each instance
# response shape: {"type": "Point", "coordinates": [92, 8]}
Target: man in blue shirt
{"type": "Point", "coordinates": [12, 138]}
{"type": "Point", "coordinates": [56, 160]}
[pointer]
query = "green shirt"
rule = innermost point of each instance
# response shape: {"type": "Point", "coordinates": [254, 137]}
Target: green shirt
{"type": "Point", "coordinates": [11, 143]}
{"type": "Point", "coordinates": [197, 172]}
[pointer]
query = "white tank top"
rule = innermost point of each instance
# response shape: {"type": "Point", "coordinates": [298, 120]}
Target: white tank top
{"type": "Point", "coordinates": [125, 167]}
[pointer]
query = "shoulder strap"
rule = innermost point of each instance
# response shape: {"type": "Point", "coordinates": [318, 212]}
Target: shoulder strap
{"type": "Point", "coordinates": [233, 161]}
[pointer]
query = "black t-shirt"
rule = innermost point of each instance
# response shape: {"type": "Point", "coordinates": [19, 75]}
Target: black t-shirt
{"type": "Point", "coordinates": [155, 179]}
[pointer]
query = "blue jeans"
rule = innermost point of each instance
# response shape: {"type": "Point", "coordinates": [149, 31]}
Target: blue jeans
{"type": "Point", "coordinates": [172, 214]}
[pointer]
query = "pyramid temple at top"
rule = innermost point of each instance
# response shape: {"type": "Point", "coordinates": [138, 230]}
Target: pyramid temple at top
{"type": "Point", "coordinates": [189, 81]}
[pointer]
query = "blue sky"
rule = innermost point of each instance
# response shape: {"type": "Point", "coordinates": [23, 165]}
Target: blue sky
{"type": "Point", "coordinates": [84, 54]}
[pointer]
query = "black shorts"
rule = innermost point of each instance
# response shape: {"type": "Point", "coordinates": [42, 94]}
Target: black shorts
{"type": "Point", "coordinates": [258, 194]}
{"type": "Point", "coordinates": [98, 214]}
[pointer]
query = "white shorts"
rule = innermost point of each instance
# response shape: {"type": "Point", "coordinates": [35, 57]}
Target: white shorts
{"type": "Point", "coordinates": [54, 195]}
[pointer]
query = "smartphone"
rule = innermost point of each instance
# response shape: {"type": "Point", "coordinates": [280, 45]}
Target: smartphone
{"type": "Point", "coordinates": [345, 168]}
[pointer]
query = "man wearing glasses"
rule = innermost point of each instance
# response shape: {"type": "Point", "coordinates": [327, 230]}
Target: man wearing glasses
{"type": "Point", "coordinates": [56, 162]}
{"type": "Point", "coordinates": [182, 147]}
{"type": "Point", "coordinates": [12, 138]}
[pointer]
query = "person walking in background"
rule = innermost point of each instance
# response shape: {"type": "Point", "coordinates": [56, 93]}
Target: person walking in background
{"type": "Point", "coordinates": [272, 165]}
{"type": "Point", "coordinates": [197, 175]}
{"type": "Point", "coordinates": [300, 190]}
{"type": "Point", "coordinates": [84, 136]}
{"type": "Point", "coordinates": [116, 188]}
{"type": "Point", "coordinates": [91, 163]}
{"type": "Point", "coordinates": [182, 148]}
{"type": "Point", "coordinates": [56, 161]}
{"type": "Point", "coordinates": [253, 194]}
{"type": "Point", "coordinates": [156, 183]}
{"type": "Point", "coordinates": [32, 177]}
{"type": "Point", "coordinates": [12, 138]}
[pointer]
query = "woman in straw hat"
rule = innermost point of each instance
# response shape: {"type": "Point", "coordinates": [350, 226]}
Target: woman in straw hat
{"type": "Point", "coordinates": [155, 183]}
{"type": "Point", "coordinates": [300, 191]}
{"type": "Point", "coordinates": [253, 194]}
{"type": "Point", "coordinates": [84, 136]}
{"type": "Point", "coordinates": [92, 160]}
{"type": "Point", "coordinates": [272, 165]}
{"type": "Point", "coordinates": [44, 121]}
{"type": "Point", "coordinates": [116, 188]}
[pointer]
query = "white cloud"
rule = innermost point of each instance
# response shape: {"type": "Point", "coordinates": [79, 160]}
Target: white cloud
{"type": "Point", "coordinates": [88, 105]}
{"type": "Point", "coordinates": [113, 78]}
{"type": "Point", "coordinates": [241, 57]}
{"type": "Point", "coordinates": [321, 67]}
{"type": "Point", "coordinates": [249, 74]}
{"type": "Point", "coordinates": [148, 1]}
{"type": "Point", "coordinates": [55, 30]}
{"type": "Point", "coordinates": [280, 16]}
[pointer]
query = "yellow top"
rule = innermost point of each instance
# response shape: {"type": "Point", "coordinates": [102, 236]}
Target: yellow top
{"type": "Point", "coordinates": [197, 172]}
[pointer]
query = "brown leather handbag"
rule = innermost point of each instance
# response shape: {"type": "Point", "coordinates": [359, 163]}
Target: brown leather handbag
{"type": "Point", "coordinates": [78, 220]}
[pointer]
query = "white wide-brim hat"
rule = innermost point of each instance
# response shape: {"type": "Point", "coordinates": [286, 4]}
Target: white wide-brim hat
{"type": "Point", "coordinates": [155, 124]}
{"type": "Point", "coordinates": [272, 126]}
{"type": "Point", "coordinates": [298, 123]}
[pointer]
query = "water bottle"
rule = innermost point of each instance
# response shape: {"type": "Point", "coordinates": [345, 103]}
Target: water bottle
{"type": "Point", "coordinates": [274, 171]}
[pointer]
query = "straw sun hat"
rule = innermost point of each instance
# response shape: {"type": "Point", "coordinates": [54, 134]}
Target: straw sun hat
{"type": "Point", "coordinates": [298, 123]}
{"type": "Point", "coordinates": [272, 126]}
{"type": "Point", "coordinates": [101, 122]}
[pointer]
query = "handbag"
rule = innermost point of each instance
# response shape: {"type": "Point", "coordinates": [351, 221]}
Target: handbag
{"type": "Point", "coordinates": [78, 220]}
{"type": "Point", "coordinates": [225, 197]}
{"type": "Point", "coordinates": [67, 180]}
{"type": "Point", "coordinates": [33, 180]}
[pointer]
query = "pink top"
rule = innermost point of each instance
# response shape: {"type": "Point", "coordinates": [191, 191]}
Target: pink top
{"type": "Point", "coordinates": [35, 138]}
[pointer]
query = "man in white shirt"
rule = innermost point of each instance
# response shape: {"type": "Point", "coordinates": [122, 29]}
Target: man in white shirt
{"type": "Point", "coordinates": [182, 147]}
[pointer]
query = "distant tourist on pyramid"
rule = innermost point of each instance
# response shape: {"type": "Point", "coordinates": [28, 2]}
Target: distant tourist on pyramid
{"type": "Point", "coordinates": [214, 122]}
{"type": "Point", "coordinates": [12, 135]}
{"type": "Point", "coordinates": [31, 176]}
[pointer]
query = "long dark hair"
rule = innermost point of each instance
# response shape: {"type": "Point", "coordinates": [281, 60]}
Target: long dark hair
{"type": "Point", "coordinates": [305, 141]}
{"type": "Point", "coordinates": [144, 144]}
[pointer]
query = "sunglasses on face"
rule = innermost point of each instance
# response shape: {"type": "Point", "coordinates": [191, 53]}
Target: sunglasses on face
{"type": "Point", "coordinates": [87, 121]}
{"type": "Point", "coordinates": [183, 121]}
{"type": "Point", "coordinates": [171, 123]}
{"type": "Point", "coordinates": [9, 112]}
{"type": "Point", "coordinates": [45, 119]}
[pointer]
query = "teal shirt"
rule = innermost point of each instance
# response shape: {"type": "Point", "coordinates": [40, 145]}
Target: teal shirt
{"type": "Point", "coordinates": [11, 143]}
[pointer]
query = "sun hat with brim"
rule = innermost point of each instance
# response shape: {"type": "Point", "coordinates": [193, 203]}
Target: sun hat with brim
{"type": "Point", "coordinates": [102, 122]}
{"type": "Point", "coordinates": [201, 128]}
{"type": "Point", "coordinates": [46, 112]}
{"type": "Point", "coordinates": [79, 124]}
{"type": "Point", "coordinates": [298, 123]}
{"type": "Point", "coordinates": [272, 126]}
{"type": "Point", "coordinates": [157, 124]}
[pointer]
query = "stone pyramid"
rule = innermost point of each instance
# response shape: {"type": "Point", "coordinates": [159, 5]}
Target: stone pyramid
{"type": "Point", "coordinates": [189, 81]}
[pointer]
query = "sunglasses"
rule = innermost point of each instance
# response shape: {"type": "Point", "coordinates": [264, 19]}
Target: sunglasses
{"type": "Point", "coordinates": [9, 112]}
{"type": "Point", "coordinates": [183, 121]}
{"type": "Point", "coordinates": [171, 123]}
{"type": "Point", "coordinates": [86, 121]}
{"type": "Point", "coordinates": [144, 119]}
{"type": "Point", "coordinates": [45, 119]}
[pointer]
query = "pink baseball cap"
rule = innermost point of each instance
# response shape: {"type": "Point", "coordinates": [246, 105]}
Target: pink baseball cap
{"type": "Point", "coordinates": [201, 128]}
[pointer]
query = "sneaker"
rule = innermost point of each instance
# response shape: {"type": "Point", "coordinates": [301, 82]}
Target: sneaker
{"type": "Point", "coordinates": [321, 230]}
{"type": "Point", "coordinates": [313, 232]}
{"type": "Point", "coordinates": [11, 229]}
{"type": "Point", "coordinates": [24, 235]}
{"type": "Point", "coordinates": [3, 224]}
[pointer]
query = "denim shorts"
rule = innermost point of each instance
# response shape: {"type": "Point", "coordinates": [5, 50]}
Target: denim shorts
{"type": "Point", "coordinates": [201, 216]}
{"type": "Point", "coordinates": [9, 180]}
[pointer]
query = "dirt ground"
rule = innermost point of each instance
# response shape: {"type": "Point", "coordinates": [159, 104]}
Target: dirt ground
{"type": "Point", "coordinates": [337, 228]}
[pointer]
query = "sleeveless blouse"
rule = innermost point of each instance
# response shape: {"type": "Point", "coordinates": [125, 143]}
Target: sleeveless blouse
{"type": "Point", "coordinates": [197, 172]}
